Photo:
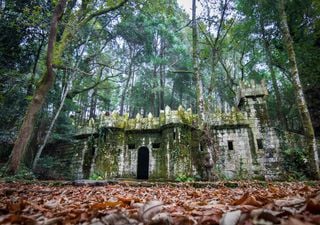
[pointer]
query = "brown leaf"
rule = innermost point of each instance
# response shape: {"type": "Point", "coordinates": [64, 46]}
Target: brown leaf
{"type": "Point", "coordinates": [104, 205]}
{"type": "Point", "coordinates": [117, 219]}
{"type": "Point", "coordinates": [241, 200]}
{"type": "Point", "coordinates": [230, 218]}
{"type": "Point", "coordinates": [52, 204]}
{"type": "Point", "coordinates": [210, 220]}
{"type": "Point", "coordinates": [294, 221]}
{"type": "Point", "coordinates": [149, 210]}
{"type": "Point", "coordinates": [127, 201]}
{"type": "Point", "coordinates": [289, 201]}
{"type": "Point", "coordinates": [246, 208]}
{"type": "Point", "coordinates": [17, 219]}
{"type": "Point", "coordinates": [266, 215]}
{"type": "Point", "coordinates": [16, 205]}
{"type": "Point", "coordinates": [251, 200]}
{"type": "Point", "coordinates": [53, 221]}
{"type": "Point", "coordinates": [313, 206]}
{"type": "Point", "coordinates": [162, 219]}
{"type": "Point", "coordinates": [184, 220]}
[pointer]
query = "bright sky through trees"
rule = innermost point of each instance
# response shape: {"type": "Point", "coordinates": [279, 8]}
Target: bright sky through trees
{"type": "Point", "coordinates": [186, 4]}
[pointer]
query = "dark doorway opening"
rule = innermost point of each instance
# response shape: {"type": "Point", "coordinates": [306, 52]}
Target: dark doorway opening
{"type": "Point", "coordinates": [143, 163]}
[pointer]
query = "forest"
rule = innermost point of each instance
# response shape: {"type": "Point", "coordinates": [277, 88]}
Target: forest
{"type": "Point", "coordinates": [201, 91]}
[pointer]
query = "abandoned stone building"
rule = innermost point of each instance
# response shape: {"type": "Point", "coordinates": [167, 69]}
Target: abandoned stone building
{"type": "Point", "coordinates": [172, 145]}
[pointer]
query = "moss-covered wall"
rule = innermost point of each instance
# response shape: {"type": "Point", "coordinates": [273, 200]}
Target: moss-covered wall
{"type": "Point", "coordinates": [135, 139]}
{"type": "Point", "coordinates": [62, 160]}
{"type": "Point", "coordinates": [108, 153]}
{"type": "Point", "coordinates": [173, 151]}
{"type": "Point", "coordinates": [179, 148]}
{"type": "Point", "coordinates": [235, 145]}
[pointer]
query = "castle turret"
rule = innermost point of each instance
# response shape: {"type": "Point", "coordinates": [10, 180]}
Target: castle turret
{"type": "Point", "coordinates": [252, 102]}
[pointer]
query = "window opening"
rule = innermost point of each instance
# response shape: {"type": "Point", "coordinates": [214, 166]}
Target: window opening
{"type": "Point", "coordinates": [131, 146]}
{"type": "Point", "coordinates": [155, 145]}
{"type": "Point", "coordinates": [230, 145]}
{"type": "Point", "coordinates": [260, 144]}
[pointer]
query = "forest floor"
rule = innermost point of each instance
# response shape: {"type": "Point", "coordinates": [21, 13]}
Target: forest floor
{"type": "Point", "coordinates": [225, 203]}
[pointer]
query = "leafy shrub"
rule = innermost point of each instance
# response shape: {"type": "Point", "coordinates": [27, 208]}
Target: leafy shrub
{"type": "Point", "coordinates": [295, 164]}
{"type": "Point", "coordinates": [184, 178]}
{"type": "Point", "coordinates": [24, 173]}
{"type": "Point", "coordinates": [96, 176]}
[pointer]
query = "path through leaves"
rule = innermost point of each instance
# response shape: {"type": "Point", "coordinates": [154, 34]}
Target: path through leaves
{"type": "Point", "coordinates": [119, 204]}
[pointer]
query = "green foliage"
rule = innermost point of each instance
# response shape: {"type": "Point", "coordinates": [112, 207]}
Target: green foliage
{"type": "Point", "coordinates": [24, 173]}
{"type": "Point", "coordinates": [184, 178]}
{"type": "Point", "coordinates": [96, 176]}
{"type": "Point", "coordinates": [231, 184]}
{"type": "Point", "coordinates": [219, 174]}
{"type": "Point", "coordinates": [295, 164]}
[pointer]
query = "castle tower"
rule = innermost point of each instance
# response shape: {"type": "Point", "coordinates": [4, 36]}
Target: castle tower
{"type": "Point", "coordinates": [252, 102]}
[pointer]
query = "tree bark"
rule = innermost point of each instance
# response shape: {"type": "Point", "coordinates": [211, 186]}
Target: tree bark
{"type": "Point", "coordinates": [311, 146]}
{"type": "Point", "coordinates": [207, 137]}
{"type": "Point", "coordinates": [195, 61]}
{"type": "Point", "coordinates": [162, 77]}
{"type": "Point", "coordinates": [54, 54]}
{"type": "Point", "coordinates": [39, 152]}
{"type": "Point", "coordinates": [153, 107]}
{"type": "Point", "coordinates": [38, 99]}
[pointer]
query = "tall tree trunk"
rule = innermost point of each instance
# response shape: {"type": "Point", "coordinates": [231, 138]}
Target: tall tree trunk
{"type": "Point", "coordinates": [207, 137]}
{"type": "Point", "coordinates": [93, 104]}
{"type": "Point", "coordinates": [195, 61]}
{"type": "Point", "coordinates": [302, 105]}
{"type": "Point", "coordinates": [153, 93]}
{"type": "Point", "coordinates": [280, 115]}
{"type": "Point", "coordinates": [39, 152]}
{"type": "Point", "coordinates": [162, 77]}
{"type": "Point", "coordinates": [162, 82]}
{"type": "Point", "coordinates": [38, 99]}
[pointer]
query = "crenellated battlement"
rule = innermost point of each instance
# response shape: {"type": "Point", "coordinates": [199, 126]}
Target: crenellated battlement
{"type": "Point", "coordinates": [251, 90]}
{"type": "Point", "coordinates": [167, 116]}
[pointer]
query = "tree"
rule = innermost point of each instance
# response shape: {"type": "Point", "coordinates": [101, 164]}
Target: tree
{"type": "Point", "coordinates": [267, 48]}
{"type": "Point", "coordinates": [54, 54]}
{"type": "Point", "coordinates": [195, 62]}
{"type": "Point", "coordinates": [39, 95]}
{"type": "Point", "coordinates": [311, 145]}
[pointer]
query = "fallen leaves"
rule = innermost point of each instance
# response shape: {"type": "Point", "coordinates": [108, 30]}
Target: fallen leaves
{"type": "Point", "coordinates": [120, 204]}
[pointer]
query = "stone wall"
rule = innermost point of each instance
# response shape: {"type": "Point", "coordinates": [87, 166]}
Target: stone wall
{"type": "Point", "coordinates": [62, 160]}
{"type": "Point", "coordinates": [237, 156]}
{"type": "Point", "coordinates": [114, 152]}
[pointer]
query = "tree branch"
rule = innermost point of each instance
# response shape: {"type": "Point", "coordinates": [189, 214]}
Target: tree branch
{"type": "Point", "coordinates": [102, 11]}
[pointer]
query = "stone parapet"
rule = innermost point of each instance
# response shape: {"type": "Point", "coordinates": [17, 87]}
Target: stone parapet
{"type": "Point", "coordinates": [167, 116]}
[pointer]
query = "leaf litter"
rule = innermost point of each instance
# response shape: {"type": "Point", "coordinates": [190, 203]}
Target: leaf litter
{"type": "Point", "coordinates": [120, 204]}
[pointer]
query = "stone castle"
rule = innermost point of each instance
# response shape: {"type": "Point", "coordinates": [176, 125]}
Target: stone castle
{"type": "Point", "coordinates": [172, 145]}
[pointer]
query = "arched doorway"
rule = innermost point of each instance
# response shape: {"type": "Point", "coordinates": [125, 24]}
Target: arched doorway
{"type": "Point", "coordinates": [143, 163]}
